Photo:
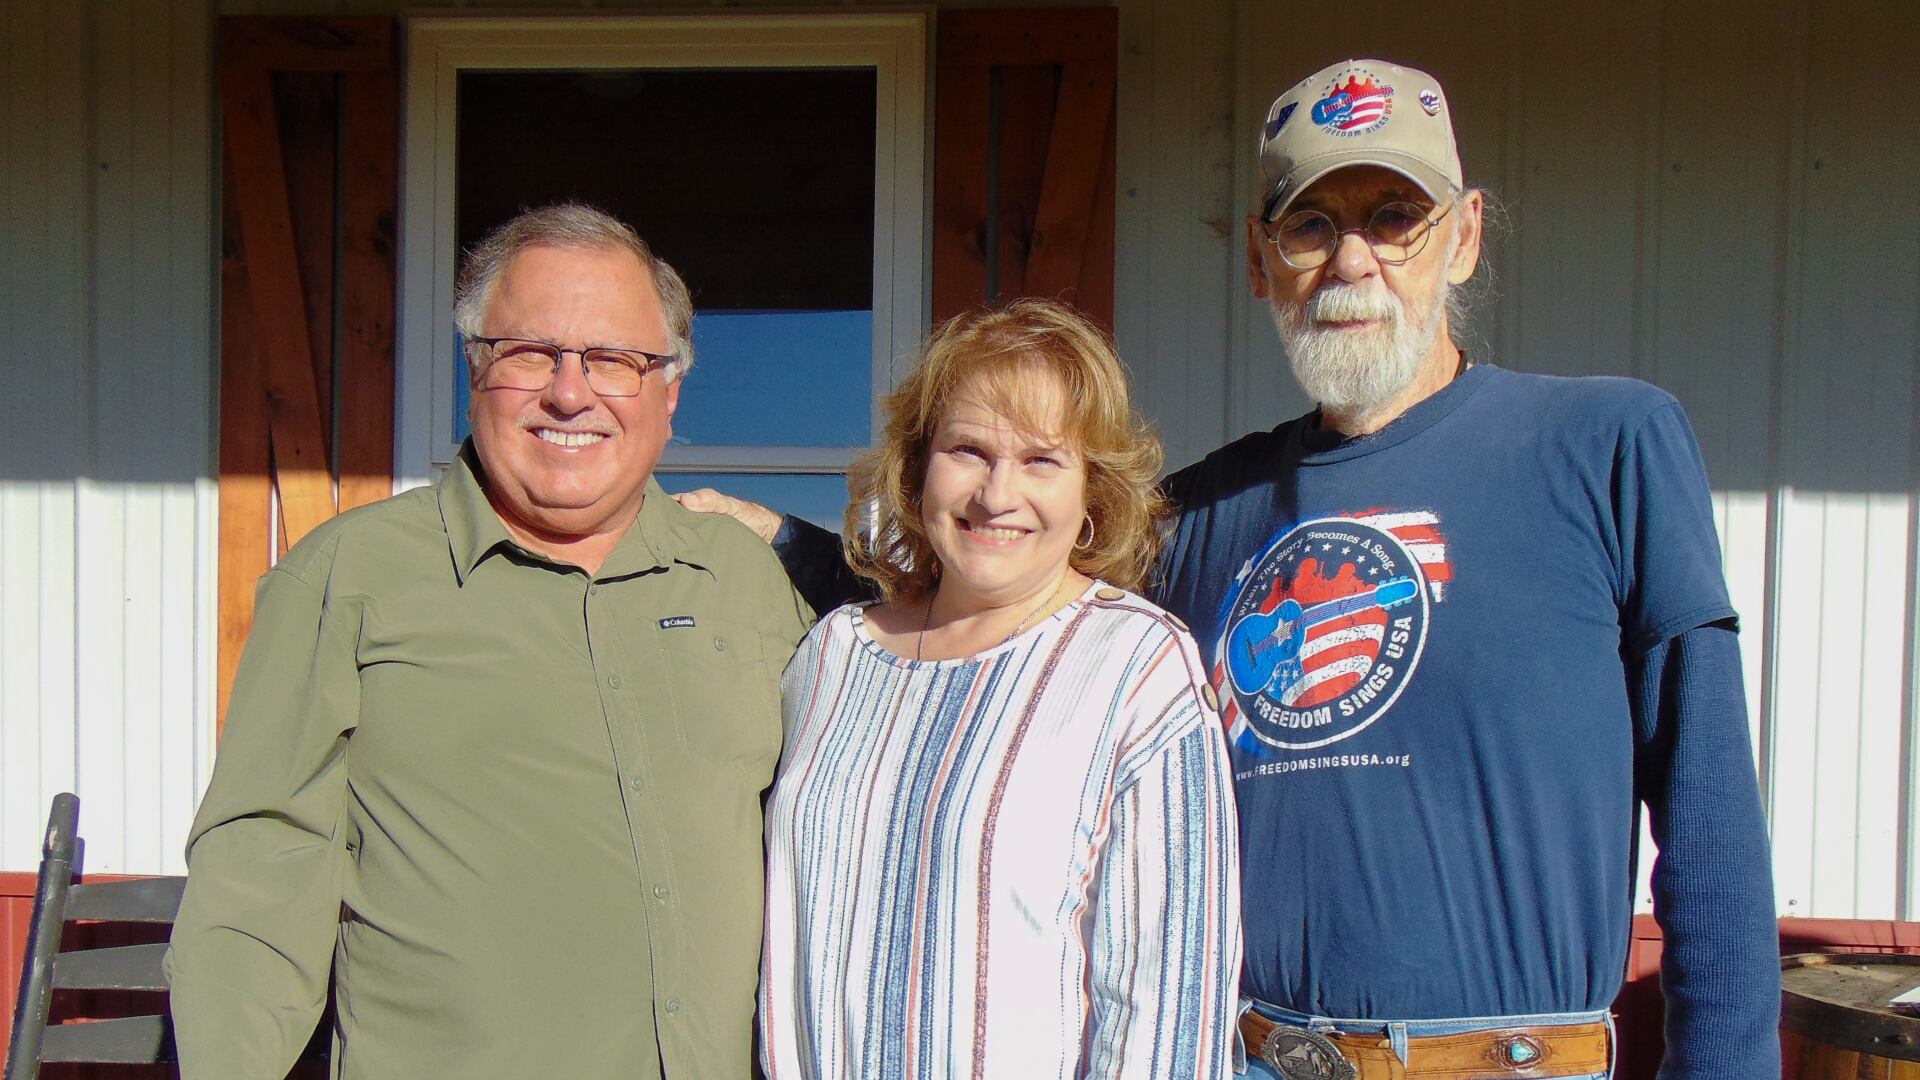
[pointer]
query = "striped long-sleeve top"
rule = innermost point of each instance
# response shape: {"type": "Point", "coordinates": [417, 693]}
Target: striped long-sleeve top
{"type": "Point", "coordinates": [1021, 863]}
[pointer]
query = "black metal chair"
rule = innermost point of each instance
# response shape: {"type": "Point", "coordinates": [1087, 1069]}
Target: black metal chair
{"type": "Point", "coordinates": [57, 901]}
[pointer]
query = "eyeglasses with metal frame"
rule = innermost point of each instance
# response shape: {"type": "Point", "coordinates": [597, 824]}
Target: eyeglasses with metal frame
{"type": "Point", "coordinates": [508, 363]}
{"type": "Point", "coordinates": [1307, 239]}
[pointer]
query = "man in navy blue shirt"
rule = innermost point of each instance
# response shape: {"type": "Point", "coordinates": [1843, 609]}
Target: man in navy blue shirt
{"type": "Point", "coordinates": [1462, 624]}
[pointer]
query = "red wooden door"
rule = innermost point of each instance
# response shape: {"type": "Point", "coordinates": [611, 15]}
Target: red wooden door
{"type": "Point", "coordinates": [311, 163]}
{"type": "Point", "coordinates": [1023, 191]}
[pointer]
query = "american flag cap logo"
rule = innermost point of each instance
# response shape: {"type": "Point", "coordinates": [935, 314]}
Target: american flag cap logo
{"type": "Point", "coordinates": [1357, 105]}
{"type": "Point", "coordinates": [1350, 114]}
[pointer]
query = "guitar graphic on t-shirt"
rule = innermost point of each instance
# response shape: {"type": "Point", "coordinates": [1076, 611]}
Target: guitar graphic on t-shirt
{"type": "Point", "coordinates": [1267, 644]}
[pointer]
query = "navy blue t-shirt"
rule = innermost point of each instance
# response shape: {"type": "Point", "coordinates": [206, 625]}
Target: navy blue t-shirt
{"type": "Point", "coordinates": [1420, 640]}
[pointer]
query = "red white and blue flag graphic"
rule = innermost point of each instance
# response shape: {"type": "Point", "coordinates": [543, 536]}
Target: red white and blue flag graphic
{"type": "Point", "coordinates": [1419, 530]}
{"type": "Point", "coordinates": [1328, 625]}
{"type": "Point", "coordinates": [1355, 107]}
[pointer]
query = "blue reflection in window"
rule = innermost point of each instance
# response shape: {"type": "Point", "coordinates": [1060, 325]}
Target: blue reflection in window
{"type": "Point", "coordinates": [760, 378]}
{"type": "Point", "coordinates": [778, 378]}
{"type": "Point", "coordinates": [818, 497]}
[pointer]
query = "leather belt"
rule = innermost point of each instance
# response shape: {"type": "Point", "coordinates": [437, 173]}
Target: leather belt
{"type": "Point", "coordinates": [1508, 1053]}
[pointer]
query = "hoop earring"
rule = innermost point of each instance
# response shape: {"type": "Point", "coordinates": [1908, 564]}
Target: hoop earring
{"type": "Point", "coordinates": [1082, 545]}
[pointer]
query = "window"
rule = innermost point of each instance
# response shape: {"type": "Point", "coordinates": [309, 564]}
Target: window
{"type": "Point", "coordinates": [776, 161]}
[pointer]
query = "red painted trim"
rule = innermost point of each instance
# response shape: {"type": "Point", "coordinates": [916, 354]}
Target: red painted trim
{"type": "Point", "coordinates": [23, 884]}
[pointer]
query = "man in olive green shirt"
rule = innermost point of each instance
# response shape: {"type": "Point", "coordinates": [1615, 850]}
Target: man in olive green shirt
{"type": "Point", "coordinates": [496, 749]}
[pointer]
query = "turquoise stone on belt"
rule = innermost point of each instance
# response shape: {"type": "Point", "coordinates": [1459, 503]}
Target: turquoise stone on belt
{"type": "Point", "coordinates": [1521, 1052]}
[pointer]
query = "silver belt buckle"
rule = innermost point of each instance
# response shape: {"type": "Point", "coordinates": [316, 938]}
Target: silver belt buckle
{"type": "Point", "coordinates": [1304, 1054]}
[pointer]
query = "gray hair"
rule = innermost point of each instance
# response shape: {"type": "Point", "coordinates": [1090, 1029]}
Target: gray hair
{"type": "Point", "coordinates": [570, 225]}
{"type": "Point", "coordinates": [1469, 303]}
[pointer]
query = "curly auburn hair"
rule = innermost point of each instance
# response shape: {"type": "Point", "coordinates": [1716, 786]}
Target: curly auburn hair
{"type": "Point", "coordinates": [995, 356]}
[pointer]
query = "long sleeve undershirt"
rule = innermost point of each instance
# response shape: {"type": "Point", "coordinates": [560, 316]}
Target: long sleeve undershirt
{"type": "Point", "coordinates": [1712, 879]}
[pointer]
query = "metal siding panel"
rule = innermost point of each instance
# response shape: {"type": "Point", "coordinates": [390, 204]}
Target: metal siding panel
{"type": "Point", "coordinates": [43, 218]}
{"type": "Point", "coordinates": [100, 745]}
{"type": "Point", "coordinates": [182, 703]}
{"type": "Point", "coordinates": [1643, 874]}
{"type": "Point", "coordinates": [105, 498]}
{"type": "Point", "coordinates": [153, 372]}
{"type": "Point", "coordinates": [19, 577]}
{"type": "Point", "coordinates": [1742, 518]}
{"type": "Point", "coordinates": [1178, 233]}
{"type": "Point", "coordinates": [58, 623]}
{"type": "Point", "coordinates": [1795, 747]}
{"type": "Point", "coordinates": [144, 620]}
{"type": "Point", "coordinates": [167, 380]}
{"type": "Point", "coordinates": [103, 585]}
{"type": "Point", "coordinates": [1847, 442]}
{"type": "Point", "coordinates": [1881, 673]}
{"type": "Point", "coordinates": [1718, 193]}
{"type": "Point", "coordinates": [191, 523]}
{"type": "Point", "coordinates": [1578, 187]}
{"type": "Point", "coordinates": [21, 585]}
{"type": "Point", "coordinates": [1835, 658]}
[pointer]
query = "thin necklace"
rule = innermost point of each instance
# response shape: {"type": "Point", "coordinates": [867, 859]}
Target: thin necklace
{"type": "Point", "coordinates": [920, 641]}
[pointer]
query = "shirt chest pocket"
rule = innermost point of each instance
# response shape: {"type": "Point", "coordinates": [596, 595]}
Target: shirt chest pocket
{"type": "Point", "coordinates": [726, 696]}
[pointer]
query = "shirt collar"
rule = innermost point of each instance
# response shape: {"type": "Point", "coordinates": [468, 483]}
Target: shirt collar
{"type": "Point", "coordinates": [660, 537]}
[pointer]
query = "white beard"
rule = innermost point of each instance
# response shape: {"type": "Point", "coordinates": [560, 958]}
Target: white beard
{"type": "Point", "coordinates": [1357, 373]}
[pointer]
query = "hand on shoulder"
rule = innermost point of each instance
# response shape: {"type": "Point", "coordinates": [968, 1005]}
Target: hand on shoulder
{"type": "Point", "coordinates": [764, 522]}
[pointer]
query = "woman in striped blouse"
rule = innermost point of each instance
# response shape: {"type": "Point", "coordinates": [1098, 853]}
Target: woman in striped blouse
{"type": "Point", "coordinates": [1002, 842]}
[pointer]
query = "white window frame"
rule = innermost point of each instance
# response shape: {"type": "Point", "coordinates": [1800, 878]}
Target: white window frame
{"type": "Point", "coordinates": [894, 45]}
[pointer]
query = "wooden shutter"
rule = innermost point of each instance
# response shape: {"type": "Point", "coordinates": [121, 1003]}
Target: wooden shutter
{"type": "Point", "coordinates": [311, 164]}
{"type": "Point", "coordinates": [1023, 195]}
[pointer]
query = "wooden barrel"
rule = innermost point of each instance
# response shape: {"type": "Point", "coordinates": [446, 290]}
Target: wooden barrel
{"type": "Point", "coordinates": [1834, 1020]}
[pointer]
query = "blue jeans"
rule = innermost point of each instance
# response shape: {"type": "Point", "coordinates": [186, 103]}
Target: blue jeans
{"type": "Point", "coordinates": [1400, 1031]}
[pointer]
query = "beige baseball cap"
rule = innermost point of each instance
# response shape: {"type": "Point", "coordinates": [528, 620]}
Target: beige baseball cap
{"type": "Point", "coordinates": [1358, 112]}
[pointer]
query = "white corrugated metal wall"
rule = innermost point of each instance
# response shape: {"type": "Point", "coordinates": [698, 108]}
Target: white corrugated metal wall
{"type": "Point", "coordinates": [1718, 197]}
{"type": "Point", "coordinates": [106, 503]}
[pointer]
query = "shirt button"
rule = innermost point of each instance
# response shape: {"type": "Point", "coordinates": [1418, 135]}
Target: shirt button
{"type": "Point", "coordinates": [613, 681]}
{"type": "Point", "coordinates": [720, 644]}
{"type": "Point", "coordinates": [673, 1005]}
{"type": "Point", "coordinates": [593, 590]}
{"type": "Point", "coordinates": [634, 783]}
{"type": "Point", "coordinates": [662, 891]}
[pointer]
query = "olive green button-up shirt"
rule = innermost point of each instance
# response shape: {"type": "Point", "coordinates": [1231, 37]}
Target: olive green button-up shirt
{"type": "Point", "coordinates": [513, 808]}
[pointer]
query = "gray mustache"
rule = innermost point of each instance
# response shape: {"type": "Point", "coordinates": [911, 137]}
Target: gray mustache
{"type": "Point", "coordinates": [1346, 303]}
